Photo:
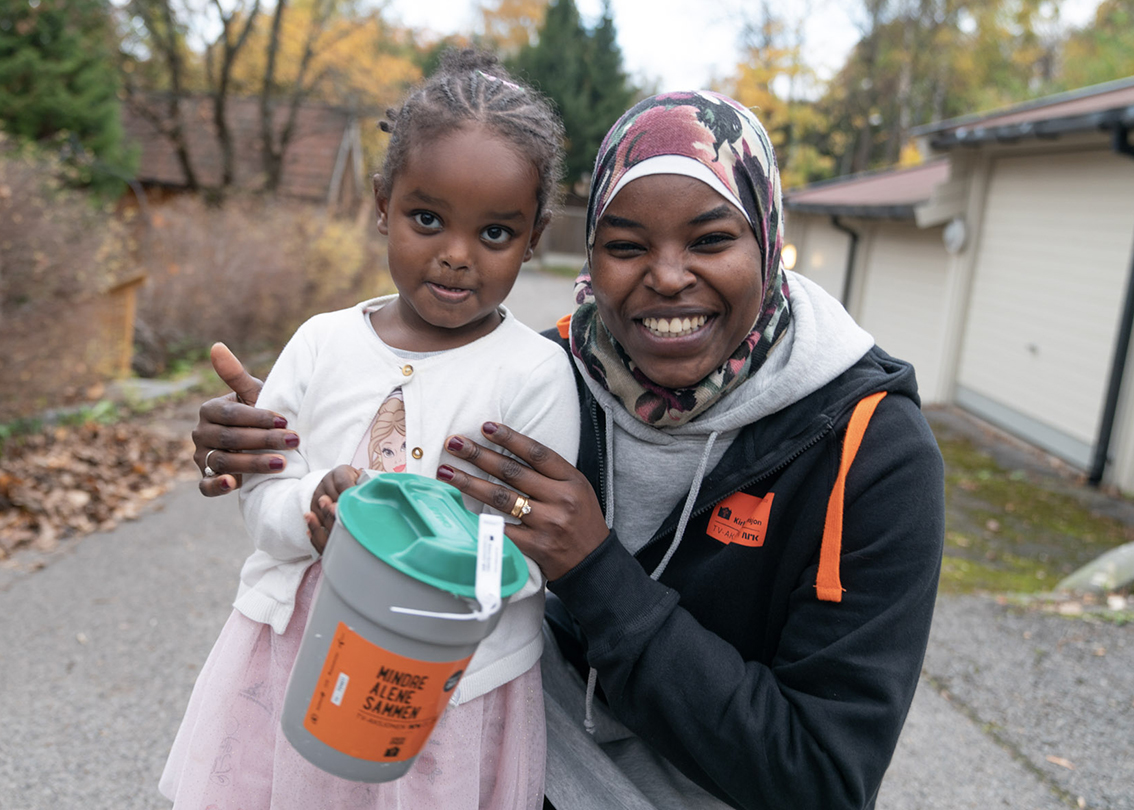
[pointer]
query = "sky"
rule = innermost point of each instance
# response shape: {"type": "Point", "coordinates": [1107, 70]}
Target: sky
{"type": "Point", "coordinates": [684, 44]}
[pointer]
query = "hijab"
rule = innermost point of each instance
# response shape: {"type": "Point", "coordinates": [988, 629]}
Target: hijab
{"type": "Point", "coordinates": [714, 139]}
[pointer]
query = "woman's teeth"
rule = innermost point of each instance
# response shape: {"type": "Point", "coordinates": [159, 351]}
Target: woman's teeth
{"type": "Point", "coordinates": [674, 327]}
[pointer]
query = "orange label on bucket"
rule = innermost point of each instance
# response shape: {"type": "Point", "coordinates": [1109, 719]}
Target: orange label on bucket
{"type": "Point", "coordinates": [376, 705]}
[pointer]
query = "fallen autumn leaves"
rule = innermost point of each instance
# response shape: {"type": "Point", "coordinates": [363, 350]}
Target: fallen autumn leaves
{"type": "Point", "coordinates": [69, 481]}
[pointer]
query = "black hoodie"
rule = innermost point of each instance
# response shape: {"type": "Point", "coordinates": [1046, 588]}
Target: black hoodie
{"type": "Point", "coordinates": [730, 666]}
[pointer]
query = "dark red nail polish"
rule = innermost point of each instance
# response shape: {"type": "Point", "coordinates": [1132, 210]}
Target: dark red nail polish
{"type": "Point", "coordinates": [225, 485]}
{"type": "Point", "coordinates": [445, 472]}
{"type": "Point", "coordinates": [276, 464]}
{"type": "Point", "coordinates": [292, 441]}
{"type": "Point", "coordinates": [490, 427]}
{"type": "Point", "coordinates": [456, 444]}
{"type": "Point", "coordinates": [279, 422]}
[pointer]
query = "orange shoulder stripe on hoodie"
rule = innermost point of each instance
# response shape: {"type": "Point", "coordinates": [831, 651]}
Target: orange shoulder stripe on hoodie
{"type": "Point", "coordinates": [564, 326]}
{"type": "Point", "coordinates": [827, 583]}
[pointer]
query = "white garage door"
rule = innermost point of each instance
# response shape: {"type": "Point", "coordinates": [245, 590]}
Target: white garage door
{"type": "Point", "coordinates": [1050, 275]}
{"type": "Point", "coordinates": [903, 298]}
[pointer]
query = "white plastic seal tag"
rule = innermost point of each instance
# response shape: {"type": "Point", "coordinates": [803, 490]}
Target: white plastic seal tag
{"type": "Point", "coordinates": [489, 568]}
{"type": "Point", "coordinates": [489, 563]}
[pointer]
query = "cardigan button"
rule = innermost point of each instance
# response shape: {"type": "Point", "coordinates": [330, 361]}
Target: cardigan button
{"type": "Point", "coordinates": [407, 370]}
{"type": "Point", "coordinates": [418, 452]}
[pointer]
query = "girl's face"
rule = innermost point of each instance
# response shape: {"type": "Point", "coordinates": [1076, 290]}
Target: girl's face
{"type": "Point", "coordinates": [461, 219]}
{"type": "Point", "coordinates": [676, 274]}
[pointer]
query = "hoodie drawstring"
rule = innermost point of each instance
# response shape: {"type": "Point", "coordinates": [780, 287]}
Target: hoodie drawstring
{"type": "Point", "coordinates": [690, 499]}
{"type": "Point", "coordinates": [688, 510]}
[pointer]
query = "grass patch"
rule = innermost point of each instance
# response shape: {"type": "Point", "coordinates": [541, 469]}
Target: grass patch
{"type": "Point", "coordinates": [1012, 530]}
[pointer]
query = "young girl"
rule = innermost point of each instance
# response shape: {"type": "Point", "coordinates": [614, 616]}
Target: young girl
{"type": "Point", "coordinates": [464, 195]}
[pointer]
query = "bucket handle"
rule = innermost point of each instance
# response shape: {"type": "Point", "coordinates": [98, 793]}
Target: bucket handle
{"type": "Point", "coordinates": [489, 567]}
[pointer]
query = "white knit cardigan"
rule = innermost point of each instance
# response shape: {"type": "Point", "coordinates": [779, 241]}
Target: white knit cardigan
{"type": "Point", "coordinates": [329, 381]}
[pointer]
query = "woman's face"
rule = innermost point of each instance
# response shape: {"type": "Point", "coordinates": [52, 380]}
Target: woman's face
{"type": "Point", "coordinates": [676, 273]}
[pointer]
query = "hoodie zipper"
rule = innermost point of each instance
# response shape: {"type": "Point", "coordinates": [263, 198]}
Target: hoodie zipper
{"type": "Point", "coordinates": [783, 464]}
{"type": "Point", "coordinates": [600, 444]}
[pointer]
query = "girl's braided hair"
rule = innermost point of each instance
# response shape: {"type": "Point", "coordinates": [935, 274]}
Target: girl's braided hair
{"type": "Point", "coordinates": [472, 86]}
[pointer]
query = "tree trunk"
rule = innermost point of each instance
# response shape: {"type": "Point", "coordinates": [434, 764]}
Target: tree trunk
{"type": "Point", "coordinates": [175, 131]}
{"type": "Point", "coordinates": [905, 86]}
{"type": "Point", "coordinates": [220, 95]}
{"type": "Point", "coordinates": [272, 160]}
{"type": "Point", "coordinates": [275, 150]}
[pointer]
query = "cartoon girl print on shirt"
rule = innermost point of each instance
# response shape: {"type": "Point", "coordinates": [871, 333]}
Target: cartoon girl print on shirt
{"type": "Point", "coordinates": [383, 447]}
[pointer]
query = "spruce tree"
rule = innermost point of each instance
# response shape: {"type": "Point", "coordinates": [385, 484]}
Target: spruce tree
{"type": "Point", "coordinates": [58, 79]}
{"type": "Point", "coordinates": [581, 72]}
{"type": "Point", "coordinates": [610, 90]}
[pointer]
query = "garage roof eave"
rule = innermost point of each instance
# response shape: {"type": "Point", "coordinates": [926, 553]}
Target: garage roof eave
{"type": "Point", "coordinates": [896, 212]}
{"type": "Point", "coordinates": [1104, 120]}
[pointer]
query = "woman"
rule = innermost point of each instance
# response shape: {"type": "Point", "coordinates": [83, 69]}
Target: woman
{"type": "Point", "coordinates": [745, 559]}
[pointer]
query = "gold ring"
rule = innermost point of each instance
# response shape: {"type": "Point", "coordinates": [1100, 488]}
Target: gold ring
{"type": "Point", "coordinates": [522, 507]}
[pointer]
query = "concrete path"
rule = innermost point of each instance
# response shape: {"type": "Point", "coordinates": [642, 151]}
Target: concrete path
{"type": "Point", "coordinates": [100, 647]}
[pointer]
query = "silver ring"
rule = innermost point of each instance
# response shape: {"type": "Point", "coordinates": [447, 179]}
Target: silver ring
{"type": "Point", "coordinates": [209, 471]}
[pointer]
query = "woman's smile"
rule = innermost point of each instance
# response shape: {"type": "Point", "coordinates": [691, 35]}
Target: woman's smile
{"type": "Point", "coordinates": [674, 327]}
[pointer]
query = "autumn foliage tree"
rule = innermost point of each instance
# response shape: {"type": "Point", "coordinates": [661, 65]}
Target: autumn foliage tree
{"type": "Point", "coordinates": [330, 51]}
{"type": "Point", "coordinates": [773, 80]}
{"type": "Point", "coordinates": [918, 61]}
{"type": "Point", "coordinates": [1101, 51]}
{"type": "Point", "coordinates": [509, 25]}
{"type": "Point", "coordinates": [321, 50]}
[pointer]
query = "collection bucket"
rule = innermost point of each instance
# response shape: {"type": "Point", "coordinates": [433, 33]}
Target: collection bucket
{"type": "Point", "coordinates": [395, 620]}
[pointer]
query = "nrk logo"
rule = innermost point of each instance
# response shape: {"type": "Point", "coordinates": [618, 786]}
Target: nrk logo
{"type": "Point", "coordinates": [741, 519]}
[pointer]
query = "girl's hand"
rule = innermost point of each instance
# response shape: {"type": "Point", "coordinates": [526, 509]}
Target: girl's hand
{"type": "Point", "coordinates": [565, 523]}
{"type": "Point", "coordinates": [322, 515]}
{"type": "Point", "coordinates": [229, 425]}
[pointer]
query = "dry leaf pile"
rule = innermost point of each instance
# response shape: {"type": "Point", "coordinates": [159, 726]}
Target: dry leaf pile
{"type": "Point", "coordinates": [70, 481]}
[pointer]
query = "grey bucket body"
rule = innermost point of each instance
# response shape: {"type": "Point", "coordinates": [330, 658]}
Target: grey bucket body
{"type": "Point", "coordinates": [358, 589]}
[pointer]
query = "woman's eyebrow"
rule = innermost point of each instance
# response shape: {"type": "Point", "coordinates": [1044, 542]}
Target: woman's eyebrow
{"type": "Point", "coordinates": [615, 221]}
{"type": "Point", "coordinates": [724, 211]}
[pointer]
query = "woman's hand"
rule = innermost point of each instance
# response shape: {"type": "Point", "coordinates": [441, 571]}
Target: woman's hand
{"type": "Point", "coordinates": [229, 425]}
{"type": "Point", "coordinates": [322, 515]}
{"type": "Point", "coordinates": [565, 523]}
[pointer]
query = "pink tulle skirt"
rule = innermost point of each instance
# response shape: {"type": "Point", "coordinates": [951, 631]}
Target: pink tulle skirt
{"type": "Point", "coordinates": [230, 753]}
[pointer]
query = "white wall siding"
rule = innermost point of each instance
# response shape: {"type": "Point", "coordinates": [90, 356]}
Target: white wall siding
{"type": "Point", "coordinates": [903, 299]}
{"type": "Point", "coordinates": [1050, 270]}
{"type": "Point", "coordinates": [822, 250]}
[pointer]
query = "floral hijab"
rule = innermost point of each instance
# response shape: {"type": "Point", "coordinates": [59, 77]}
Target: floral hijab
{"type": "Point", "coordinates": [727, 140]}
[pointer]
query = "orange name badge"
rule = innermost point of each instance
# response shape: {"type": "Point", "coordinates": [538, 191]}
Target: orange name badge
{"type": "Point", "coordinates": [373, 704]}
{"type": "Point", "coordinates": [742, 519]}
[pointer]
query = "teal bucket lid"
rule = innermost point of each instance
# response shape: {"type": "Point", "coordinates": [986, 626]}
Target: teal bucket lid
{"type": "Point", "coordinates": [420, 526]}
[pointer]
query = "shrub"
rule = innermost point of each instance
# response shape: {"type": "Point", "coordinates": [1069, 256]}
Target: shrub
{"type": "Point", "coordinates": [247, 274]}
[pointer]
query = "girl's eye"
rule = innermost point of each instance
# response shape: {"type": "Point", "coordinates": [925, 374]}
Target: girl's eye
{"type": "Point", "coordinates": [427, 220]}
{"type": "Point", "coordinates": [496, 234]}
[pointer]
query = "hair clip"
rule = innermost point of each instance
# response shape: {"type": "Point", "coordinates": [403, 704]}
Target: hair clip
{"type": "Point", "coordinates": [504, 82]}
